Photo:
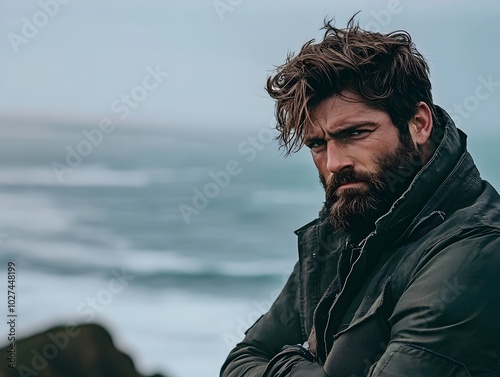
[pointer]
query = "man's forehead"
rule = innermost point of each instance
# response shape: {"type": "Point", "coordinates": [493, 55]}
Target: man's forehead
{"type": "Point", "coordinates": [335, 121]}
{"type": "Point", "coordinates": [344, 104]}
{"type": "Point", "coordinates": [341, 111]}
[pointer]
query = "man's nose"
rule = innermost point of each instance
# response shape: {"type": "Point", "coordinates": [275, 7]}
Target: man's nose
{"type": "Point", "coordinates": [338, 159]}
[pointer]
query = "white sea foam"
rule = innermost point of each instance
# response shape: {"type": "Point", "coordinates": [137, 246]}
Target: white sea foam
{"type": "Point", "coordinates": [139, 262]}
{"type": "Point", "coordinates": [34, 212]}
{"type": "Point", "coordinates": [100, 176]}
{"type": "Point", "coordinates": [83, 176]}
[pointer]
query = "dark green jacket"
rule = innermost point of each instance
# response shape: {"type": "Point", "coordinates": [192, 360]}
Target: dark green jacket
{"type": "Point", "coordinates": [420, 296]}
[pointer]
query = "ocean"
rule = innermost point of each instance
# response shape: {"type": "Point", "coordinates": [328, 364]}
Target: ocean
{"type": "Point", "coordinates": [176, 240]}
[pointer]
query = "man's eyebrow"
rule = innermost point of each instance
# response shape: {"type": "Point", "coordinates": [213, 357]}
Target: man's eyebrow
{"type": "Point", "coordinates": [343, 131]}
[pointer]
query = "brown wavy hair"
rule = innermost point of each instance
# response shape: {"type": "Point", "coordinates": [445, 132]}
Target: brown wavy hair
{"type": "Point", "coordinates": [385, 70]}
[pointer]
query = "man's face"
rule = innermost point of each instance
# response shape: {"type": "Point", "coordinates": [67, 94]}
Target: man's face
{"type": "Point", "coordinates": [357, 151]}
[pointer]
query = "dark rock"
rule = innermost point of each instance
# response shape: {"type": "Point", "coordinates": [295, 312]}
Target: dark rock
{"type": "Point", "coordinates": [81, 351]}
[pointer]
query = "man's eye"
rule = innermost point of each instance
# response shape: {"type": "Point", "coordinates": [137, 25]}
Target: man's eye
{"type": "Point", "coordinates": [358, 132]}
{"type": "Point", "coordinates": [314, 144]}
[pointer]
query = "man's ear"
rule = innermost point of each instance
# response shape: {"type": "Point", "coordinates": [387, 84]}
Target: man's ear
{"type": "Point", "coordinates": [420, 126]}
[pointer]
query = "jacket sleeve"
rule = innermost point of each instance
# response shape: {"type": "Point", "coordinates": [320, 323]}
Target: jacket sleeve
{"type": "Point", "coordinates": [446, 322]}
{"type": "Point", "coordinates": [259, 354]}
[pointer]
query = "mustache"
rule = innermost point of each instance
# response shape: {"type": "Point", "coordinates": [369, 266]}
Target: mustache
{"type": "Point", "coordinates": [350, 176]}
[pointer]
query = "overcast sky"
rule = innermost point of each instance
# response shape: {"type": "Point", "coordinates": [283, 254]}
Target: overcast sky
{"type": "Point", "coordinates": [73, 62]}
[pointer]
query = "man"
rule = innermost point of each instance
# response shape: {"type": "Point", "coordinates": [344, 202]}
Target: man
{"type": "Point", "coordinates": [400, 274]}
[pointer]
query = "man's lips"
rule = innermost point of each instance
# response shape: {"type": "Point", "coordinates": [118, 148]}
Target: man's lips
{"type": "Point", "coordinates": [349, 185]}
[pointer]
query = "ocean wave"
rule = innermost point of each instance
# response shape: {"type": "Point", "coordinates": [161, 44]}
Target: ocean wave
{"type": "Point", "coordinates": [100, 176]}
{"type": "Point", "coordinates": [34, 213]}
{"type": "Point", "coordinates": [73, 258]}
{"type": "Point", "coordinates": [83, 176]}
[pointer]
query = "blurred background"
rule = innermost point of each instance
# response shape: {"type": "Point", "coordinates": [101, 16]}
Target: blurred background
{"type": "Point", "coordinates": [140, 187]}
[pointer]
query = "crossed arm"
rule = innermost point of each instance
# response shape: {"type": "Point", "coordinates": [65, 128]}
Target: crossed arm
{"type": "Point", "coordinates": [445, 324]}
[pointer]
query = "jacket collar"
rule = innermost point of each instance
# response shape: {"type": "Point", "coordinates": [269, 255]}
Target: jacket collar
{"type": "Point", "coordinates": [439, 187]}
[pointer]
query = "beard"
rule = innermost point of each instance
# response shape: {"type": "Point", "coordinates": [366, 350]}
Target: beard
{"type": "Point", "coordinates": [355, 209]}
